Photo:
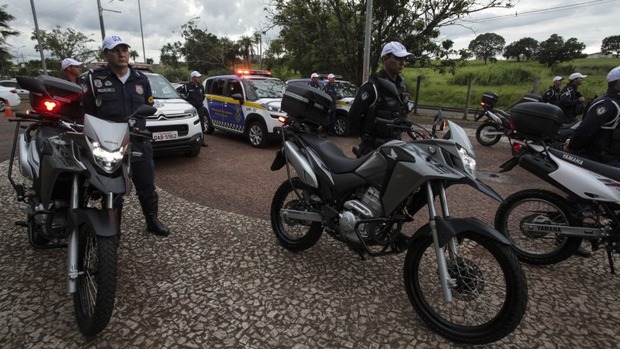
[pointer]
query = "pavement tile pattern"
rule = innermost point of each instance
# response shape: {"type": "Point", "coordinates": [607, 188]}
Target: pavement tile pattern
{"type": "Point", "coordinates": [222, 281]}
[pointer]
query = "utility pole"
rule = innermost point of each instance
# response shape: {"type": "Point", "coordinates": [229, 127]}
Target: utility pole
{"type": "Point", "coordinates": [367, 33]}
{"type": "Point", "coordinates": [101, 9]}
{"type": "Point", "coordinates": [141, 32]}
{"type": "Point", "coordinates": [36, 30]}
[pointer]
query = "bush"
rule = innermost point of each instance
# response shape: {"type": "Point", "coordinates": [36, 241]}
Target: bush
{"type": "Point", "coordinates": [494, 75]}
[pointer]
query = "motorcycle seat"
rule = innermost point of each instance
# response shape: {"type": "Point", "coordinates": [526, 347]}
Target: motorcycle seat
{"type": "Point", "coordinates": [591, 165]}
{"type": "Point", "coordinates": [332, 155]}
{"type": "Point", "coordinates": [502, 113]}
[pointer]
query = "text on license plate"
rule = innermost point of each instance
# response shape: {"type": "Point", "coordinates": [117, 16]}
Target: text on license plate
{"type": "Point", "coordinates": [164, 136]}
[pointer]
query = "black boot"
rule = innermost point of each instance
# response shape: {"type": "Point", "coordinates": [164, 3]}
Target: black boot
{"type": "Point", "coordinates": [150, 208]}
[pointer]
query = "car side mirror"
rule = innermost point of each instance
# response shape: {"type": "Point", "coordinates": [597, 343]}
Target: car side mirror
{"type": "Point", "coordinates": [238, 97]}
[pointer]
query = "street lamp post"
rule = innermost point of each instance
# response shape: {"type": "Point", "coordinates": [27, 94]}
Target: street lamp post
{"type": "Point", "coordinates": [101, 9]}
{"type": "Point", "coordinates": [36, 29]}
{"type": "Point", "coordinates": [17, 53]}
{"type": "Point", "coordinates": [141, 32]}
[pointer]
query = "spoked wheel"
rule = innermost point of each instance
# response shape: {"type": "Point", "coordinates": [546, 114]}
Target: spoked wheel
{"type": "Point", "coordinates": [486, 134]}
{"type": "Point", "coordinates": [528, 219]}
{"type": "Point", "coordinates": [96, 283]}
{"type": "Point", "coordinates": [489, 289]}
{"type": "Point", "coordinates": [295, 234]}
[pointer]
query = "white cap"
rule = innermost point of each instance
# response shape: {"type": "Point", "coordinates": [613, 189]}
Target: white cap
{"type": "Point", "coordinates": [195, 74]}
{"type": "Point", "coordinates": [574, 76]}
{"type": "Point", "coordinates": [395, 48]}
{"type": "Point", "coordinates": [111, 41]}
{"type": "Point", "coordinates": [331, 76]}
{"type": "Point", "coordinates": [67, 62]}
{"type": "Point", "coordinates": [558, 78]}
{"type": "Point", "coordinates": [314, 75]}
{"type": "Point", "coordinates": [614, 74]}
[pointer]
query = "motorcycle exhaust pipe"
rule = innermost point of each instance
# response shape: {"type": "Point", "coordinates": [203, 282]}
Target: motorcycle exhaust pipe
{"type": "Point", "coordinates": [300, 164]}
{"type": "Point", "coordinates": [300, 215]}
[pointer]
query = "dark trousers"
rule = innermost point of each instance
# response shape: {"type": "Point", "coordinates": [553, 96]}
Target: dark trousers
{"type": "Point", "coordinates": [143, 169]}
{"type": "Point", "coordinates": [201, 116]}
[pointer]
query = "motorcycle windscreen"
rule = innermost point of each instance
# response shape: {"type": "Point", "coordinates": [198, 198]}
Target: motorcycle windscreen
{"type": "Point", "coordinates": [110, 135]}
{"type": "Point", "coordinates": [458, 135]}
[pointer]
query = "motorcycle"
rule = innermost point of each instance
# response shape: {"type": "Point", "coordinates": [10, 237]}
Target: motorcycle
{"type": "Point", "coordinates": [547, 228]}
{"type": "Point", "coordinates": [75, 167]}
{"type": "Point", "coordinates": [497, 123]}
{"type": "Point", "coordinates": [459, 273]}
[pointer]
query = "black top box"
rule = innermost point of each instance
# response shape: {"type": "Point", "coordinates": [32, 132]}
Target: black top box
{"type": "Point", "coordinates": [536, 120]}
{"type": "Point", "coordinates": [307, 104]}
{"type": "Point", "coordinates": [65, 92]}
{"type": "Point", "coordinates": [490, 98]}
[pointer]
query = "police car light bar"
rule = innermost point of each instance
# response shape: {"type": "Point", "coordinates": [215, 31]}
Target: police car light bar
{"type": "Point", "coordinates": [241, 72]}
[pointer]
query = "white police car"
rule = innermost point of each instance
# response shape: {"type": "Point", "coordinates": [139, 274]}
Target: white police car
{"type": "Point", "coordinates": [246, 104]}
{"type": "Point", "coordinates": [346, 94]}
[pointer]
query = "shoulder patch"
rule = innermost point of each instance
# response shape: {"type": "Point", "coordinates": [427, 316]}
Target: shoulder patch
{"type": "Point", "coordinates": [601, 110]}
{"type": "Point", "coordinates": [364, 96]}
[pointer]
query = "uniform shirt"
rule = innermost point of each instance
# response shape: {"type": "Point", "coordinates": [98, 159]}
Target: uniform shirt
{"type": "Point", "coordinates": [330, 89]}
{"type": "Point", "coordinates": [569, 103]}
{"type": "Point", "coordinates": [592, 137]}
{"type": "Point", "coordinates": [366, 97]}
{"type": "Point", "coordinates": [194, 94]}
{"type": "Point", "coordinates": [315, 85]}
{"type": "Point", "coordinates": [107, 97]}
{"type": "Point", "coordinates": [552, 95]}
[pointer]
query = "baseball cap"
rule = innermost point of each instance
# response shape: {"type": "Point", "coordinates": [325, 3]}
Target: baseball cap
{"type": "Point", "coordinates": [110, 42]}
{"type": "Point", "coordinates": [395, 48]}
{"type": "Point", "coordinates": [331, 76]}
{"type": "Point", "coordinates": [314, 75]}
{"type": "Point", "coordinates": [195, 74]}
{"type": "Point", "coordinates": [67, 62]}
{"type": "Point", "coordinates": [558, 78]}
{"type": "Point", "coordinates": [614, 74]}
{"type": "Point", "coordinates": [574, 76]}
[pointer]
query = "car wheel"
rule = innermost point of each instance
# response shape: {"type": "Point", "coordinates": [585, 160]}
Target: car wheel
{"type": "Point", "coordinates": [341, 125]}
{"type": "Point", "coordinates": [257, 134]}
{"type": "Point", "coordinates": [209, 127]}
{"type": "Point", "coordinates": [2, 105]}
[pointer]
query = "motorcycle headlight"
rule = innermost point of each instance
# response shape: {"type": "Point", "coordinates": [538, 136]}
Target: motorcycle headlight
{"type": "Point", "coordinates": [109, 161]}
{"type": "Point", "coordinates": [468, 162]}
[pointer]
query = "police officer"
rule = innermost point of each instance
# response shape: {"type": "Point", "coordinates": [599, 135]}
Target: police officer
{"type": "Point", "coordinates": [330, 89]}
{"type": "Point", "coordinates": [194, 93]}
{"type": "Point", "coordinates": [314, 81]}
{"type": "Point", "coordinates": [374, 106]}
{"type": "Point", "coordinates": [571, 100]}
{"type": "Point", "coordinates": [552, 94]}
{"type": "Point", "coordinates": [113, 92]}
{"type": "Point", "coordinates": [71, 70]}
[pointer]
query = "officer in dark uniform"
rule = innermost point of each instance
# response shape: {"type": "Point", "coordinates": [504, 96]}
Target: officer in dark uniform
{"type": "Point", "coordinates": [381, 100]}
{"type": "Point", "coordinates": [71, 70]}
{"type": "Point", "coordinates": [330, 89]}
{"type": "Point", "coordinates": [113, 92]}
{"type": "Point", "coordinates": [194, 94]}
{"type": "Point", "coordinates": [572, 102]}
{"type": "Point", "coordinates": [552, 94]}
{"type": "Point", "coordinates": [314, 81]}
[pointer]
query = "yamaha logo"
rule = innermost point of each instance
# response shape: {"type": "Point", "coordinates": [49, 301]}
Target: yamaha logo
{"type": "Point", "coordinates": [572, 159]}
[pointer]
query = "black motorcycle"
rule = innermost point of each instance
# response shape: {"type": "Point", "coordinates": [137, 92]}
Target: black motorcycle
{"type": "Point", "coordinates": [75, 170]}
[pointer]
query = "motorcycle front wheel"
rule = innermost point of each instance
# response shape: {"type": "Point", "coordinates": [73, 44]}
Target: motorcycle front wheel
{"type": "Point", "coordinates": [486, 134]}
{"type": "Point", "coordinates": [93, 301]}
{"type": "Point", "coordinates": [538, 207]}
{"type": "Point", "coordinates": [293, 234]}
{"type": "Point", "coordinates": [489, 290]}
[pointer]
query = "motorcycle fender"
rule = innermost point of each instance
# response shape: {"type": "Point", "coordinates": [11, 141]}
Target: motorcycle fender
{"type": "Point", "coordinates": [103, 223]}
{"type": "Point", "coordinates": [487, 190]}
{"type": "Point", "coordinates": [447, 228]}
{"type": "Point", "coordinates": [300, 164]}
{"type": "Point", "coordinates": [279, 161]}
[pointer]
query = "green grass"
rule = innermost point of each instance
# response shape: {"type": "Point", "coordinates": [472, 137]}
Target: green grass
{"type": "Point", "coordinates": [511, 80]}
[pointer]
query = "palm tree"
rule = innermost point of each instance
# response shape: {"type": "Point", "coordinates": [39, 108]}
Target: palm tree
{"type": "Point", "coordinates": [134, 54]}
{"type": "Point", "coordinates": [247, 48]}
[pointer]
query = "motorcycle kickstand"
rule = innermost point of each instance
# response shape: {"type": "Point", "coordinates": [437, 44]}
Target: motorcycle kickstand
{"type": "Point", "coordinates": [611, 262]}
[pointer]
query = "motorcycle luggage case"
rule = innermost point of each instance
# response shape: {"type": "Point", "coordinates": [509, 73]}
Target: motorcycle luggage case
{"type": "Point", "coordinates": [531, 97]}
{"type": "Point", "coordinates": [306, 104]}
{"type": "Point", "coordinates": [490, 98]}
{"type": "Point", "coordinates": [67, 93]}
{"type": "Point", "coordinates": [536, 120]}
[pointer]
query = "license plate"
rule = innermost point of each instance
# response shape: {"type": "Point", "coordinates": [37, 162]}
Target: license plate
{"type": "Point", "coordinates": [165, 136]}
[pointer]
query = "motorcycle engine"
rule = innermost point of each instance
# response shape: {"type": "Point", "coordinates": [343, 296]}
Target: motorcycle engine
{"type": "Point", "coordinates": [367, 207]}
{"type": "Point", "coordinates": [53, 224]}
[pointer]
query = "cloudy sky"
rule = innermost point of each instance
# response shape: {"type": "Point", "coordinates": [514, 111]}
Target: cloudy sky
{"type": "Point", "coordinates": [587, 20]}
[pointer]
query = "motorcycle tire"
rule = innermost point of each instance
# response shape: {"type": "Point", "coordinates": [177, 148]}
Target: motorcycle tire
{"type": "Point", "coordinates": [490, 294]}
{"type": "Point", "coordinates": [295, 235]}
{"type": "Point", "coordinates": [540, 206]}
{"type": "Point", "coordinates": [94, 298]}
{"type": "Point", "coordinates": [483, 138]}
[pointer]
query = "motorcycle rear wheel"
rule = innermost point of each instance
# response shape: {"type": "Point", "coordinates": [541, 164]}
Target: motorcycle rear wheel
{"type": "Point", "coordinates": [295, 235]}
{"type": "Point", "coordinates": [540, 206]}
{"type": "Point", "coordinates": [483, 138]}
{"type": "Point", "coordinates": [93, 301]}
{"type": "Point", "coordinates": [490, 296]}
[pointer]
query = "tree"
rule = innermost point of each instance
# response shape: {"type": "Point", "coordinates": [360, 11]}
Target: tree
{"type": "Point", "coordinates": [611, 45]}
{"type": "Point", "coordinates": [486, 46]}
{"type": "Point", "coordinates": [63, 43]}
{"type": "Point", "coordinates": [523, 48]}
{"type": "Point", "coordinates": [555, 50]}
{"type": "Point", "coordinates": [171, 54]}
{"type": "Point", "coordinates": [246, 45]}
{"type": "Point", "coordinates": [133, 54]}
{"type": "Point", "coordinates": [5, 32]}
{"type": "Point", "coordinates": [205, 51]}
{"type": "Point", "coordinates": [324, 35]}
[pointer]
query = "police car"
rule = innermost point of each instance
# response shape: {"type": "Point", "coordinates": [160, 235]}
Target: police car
{"type": "Point", "coordinates": [346, 94]}
{"type": "Point", "coordinates": [247, 104]}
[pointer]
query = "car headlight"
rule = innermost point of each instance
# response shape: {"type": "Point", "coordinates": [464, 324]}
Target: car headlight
{"type": "Point", "coordinates": [109, 161]}
{"type": "Point", "coordinates": [271, 108]}
{"type": "Point", "coordinates": [468, 162]}
{"type": "Point", "coordinates": [192, 111]}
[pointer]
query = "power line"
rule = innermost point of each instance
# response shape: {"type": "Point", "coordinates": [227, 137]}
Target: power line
{"type": "Point", "coordinates": [541, 11]}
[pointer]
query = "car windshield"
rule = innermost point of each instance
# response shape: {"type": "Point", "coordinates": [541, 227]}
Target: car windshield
{"type": "Point", "coordinates": [162, 89]}
{"type": "Point", "coordinates": [346, 89]}
{"type": "Point", "coordinates": [268, 88]}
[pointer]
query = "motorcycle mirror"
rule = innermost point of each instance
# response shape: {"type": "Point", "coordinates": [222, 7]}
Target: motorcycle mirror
{"type": "Point", "coordinates": [145, 110]}
{"type": "Point", "coordinates": [410, 106]}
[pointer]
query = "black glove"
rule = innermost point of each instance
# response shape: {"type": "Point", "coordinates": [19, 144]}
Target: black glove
{"type": "Point", "coordinates": [403, 122]}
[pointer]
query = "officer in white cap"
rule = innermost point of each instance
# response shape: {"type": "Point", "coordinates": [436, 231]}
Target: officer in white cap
{"type": "Point", "coordinates": [330, 89]}
{"type": "Point", "coordinates": [552, 94]}
{"type": "Point", "coordinates": [572, 102]}
{"type": "Point", "coordinates": [71, 69]}
{"type": "Point", "coordinates": [314, 81]}
{"type": "Point", "coordinates": [113, 92]}
{"type": "Point", "coordinates": [373, 107]}
{"type": "Point", "coordinates": [194, 94]}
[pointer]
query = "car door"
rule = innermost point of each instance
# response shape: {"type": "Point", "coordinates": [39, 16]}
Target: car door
{"type": "Point", "coordinates": [214, 100]}
{"type": "Point", "coordinates": [232, 107]}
